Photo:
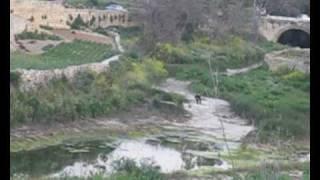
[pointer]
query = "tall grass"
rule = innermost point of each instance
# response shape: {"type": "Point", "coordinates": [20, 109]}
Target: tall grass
{"type": "Point", "coordinates": [232, 53]}
{"type": "Point", "coordinates": [277, 103]}
{"type": "Point", "coordinates": [90, 95]}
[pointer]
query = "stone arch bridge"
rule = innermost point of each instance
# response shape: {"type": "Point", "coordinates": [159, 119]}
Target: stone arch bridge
{"type": "Point", "coordinates": [274, 28]}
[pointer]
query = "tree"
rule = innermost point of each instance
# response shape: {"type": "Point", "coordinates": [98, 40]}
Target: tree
{"type": "Point", "coordinates": [165, 20]}
{"type": "Point", "coordinates": [92, 20]}
{"type": "Point", "coordinates": [78, 23]}
{"type": "Point", "coordinates": [93, 2]}
{"type": "Point", "coordinates": [285, 7]}
{"type": "Point", "coordinates": [171, 21]}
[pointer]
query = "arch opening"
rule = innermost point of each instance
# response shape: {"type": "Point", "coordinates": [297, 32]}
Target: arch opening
{"type": "Point", "coordinates": [295, 38]}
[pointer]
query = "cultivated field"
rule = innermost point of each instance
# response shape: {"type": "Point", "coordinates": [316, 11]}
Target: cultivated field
{"type": "Point", "coordinates": [63, 55]}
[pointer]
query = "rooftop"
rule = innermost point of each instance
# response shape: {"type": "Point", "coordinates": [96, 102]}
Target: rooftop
{"type": "Point", "coordinates": [115, 7]}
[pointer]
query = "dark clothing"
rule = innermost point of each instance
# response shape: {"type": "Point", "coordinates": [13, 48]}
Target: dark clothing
{"type": "Point", "coordinates": [198, 99]}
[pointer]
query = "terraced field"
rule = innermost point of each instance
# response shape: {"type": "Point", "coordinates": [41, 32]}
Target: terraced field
{"type": "Point", "coordinates": [63, 55]}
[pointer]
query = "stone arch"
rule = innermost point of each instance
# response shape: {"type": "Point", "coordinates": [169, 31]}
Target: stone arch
{"type": "Point", "coordinates": [293, 36]}
{"type": "Point", "coordinates": [288, 28]}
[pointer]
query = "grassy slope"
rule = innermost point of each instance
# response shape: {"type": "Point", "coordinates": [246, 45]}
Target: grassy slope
{"type": "Point", "coordinates": [90, 95]}
{"type": "Point", "coordinates": [278, 104]}
{"type": "Point", "coordinates": [63, 55]}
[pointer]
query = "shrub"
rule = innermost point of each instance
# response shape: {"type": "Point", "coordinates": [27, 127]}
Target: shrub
{"type": "Point", "coordinates": [268, 100]}
{"type": "Point", "coordinates": [295, 75]}
{"type": "Point", "coordinates": [38, 36]}
{"type": "Point", "coordinates": [46, 27]}
{"type": "Point", "coordinates": [92, 20]}
{"type": "Point", "coordinates": [78, 23]}
{"type": "Point", "coordinates": [88, 95]}
{"type": "Point", "coordinates": [128, 169]}
{"type": "Point", "coordinates": [15, 78]}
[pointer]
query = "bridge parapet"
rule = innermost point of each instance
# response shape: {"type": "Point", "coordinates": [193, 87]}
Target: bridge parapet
{"type": "Point", "coordinates": [271, 27]}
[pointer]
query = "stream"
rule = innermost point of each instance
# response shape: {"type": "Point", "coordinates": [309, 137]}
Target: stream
{"type": "Point", "coordinates": [199, 142]}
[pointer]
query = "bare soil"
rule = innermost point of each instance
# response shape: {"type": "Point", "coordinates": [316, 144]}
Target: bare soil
{"type": "Point", "coordinates": [35, 46]}
{"type": "Point", "coordinates": [70, 35]}
{"type": "Point", "coordinates": [119, 121]}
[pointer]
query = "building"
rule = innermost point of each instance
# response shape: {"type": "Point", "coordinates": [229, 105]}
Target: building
{"type": "Point", "coordinates": [55, 15]}
{"type": "Point", "coordinates": [115, 7]}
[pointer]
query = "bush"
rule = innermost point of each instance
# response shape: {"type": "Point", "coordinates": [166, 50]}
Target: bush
{"type": "Point", "coordinates": [268, 100]}
{"type": "Point", "coordinates": [234, 52]}
{"type": "Point", "coordinates": [89, 95]}
{"type": "Point", "coordinates": [46, 27]}
{"type": "Point", "coordinates": [127, 169]}
{"type": "Point", "coordinates": [37, 36]}
{"type": "Point", "coordinates": [15, 78]}
{"type": "Point", "coordinates": [295, 75]}
{"type": "Point", "coordinates": [78, 23]}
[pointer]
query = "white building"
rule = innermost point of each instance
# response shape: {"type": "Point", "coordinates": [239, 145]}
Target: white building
{"type": "Point", "coordinates": [115, 7]}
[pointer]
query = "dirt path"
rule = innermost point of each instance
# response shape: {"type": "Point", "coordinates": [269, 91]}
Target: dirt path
{"type": "Point", "coordinates": [231, 72]}
{"type": "Point", "coordinates": [82, 35]}
{"type": "Point", "coordinates": [207, 116]}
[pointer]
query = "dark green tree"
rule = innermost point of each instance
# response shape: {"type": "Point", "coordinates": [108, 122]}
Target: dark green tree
{"type": "Point", "coordinates": [78, 23]}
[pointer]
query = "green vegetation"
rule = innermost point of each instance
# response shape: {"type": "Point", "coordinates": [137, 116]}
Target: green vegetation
{"type": "Point", "coordinates": [37, 36]}
{"type": "Point", "coordinates": [127, 169]}
{"type": "Point", "coordinates": [63, 55]}
{"type": "Point", "coordinates": [271, 172]}
{"type": "Point", "coordinates": [89, 95]}
{"type": "Point", "coordinates": [47, 47]}
{"type": "Point", "coordinates": [268, 46]}
{"type": "Point", "coordinates": [78, 23]}
{"type": "Point", "coordinates": [46, 27]}
{"type": "Point", "coordinates": [234, 52]}
{"type": "Point", "coordinates": [14, 78]}
{"type": "Point", "coordinates": [277, 103]}
{"type": "Point", "coordinates": [130, 37]}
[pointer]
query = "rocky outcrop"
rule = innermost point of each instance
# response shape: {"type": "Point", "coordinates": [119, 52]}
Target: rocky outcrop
{"type": "Point", "coordinates": [292, 58]}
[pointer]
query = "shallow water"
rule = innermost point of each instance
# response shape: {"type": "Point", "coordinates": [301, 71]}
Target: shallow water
{"type": "Point", "coordinates": [167, 159]}
{"type": "Point", "coordinates": [178, 146]}
{"type": "Point", "coordinates": [55, 158]}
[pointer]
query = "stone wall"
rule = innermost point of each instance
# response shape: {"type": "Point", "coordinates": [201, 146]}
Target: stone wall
{"type": "Point", "coordinates": [55, 15]}
{"type": "Point", "coordinates": [293, 58]}
{"type": "Point", "coordinates": [32, 79]}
